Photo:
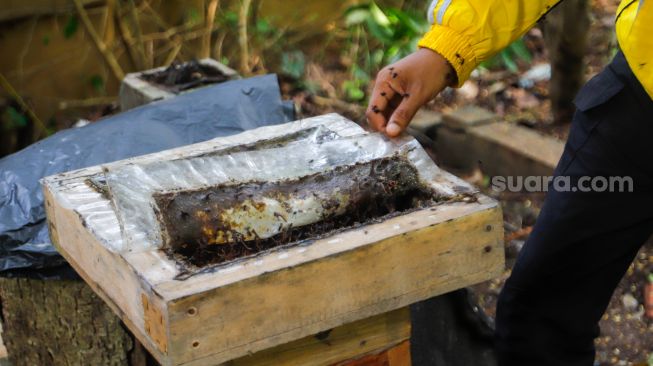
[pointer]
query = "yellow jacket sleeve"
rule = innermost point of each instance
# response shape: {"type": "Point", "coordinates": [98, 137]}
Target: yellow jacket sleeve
{"type": "Point", "coordinates": [468, 32]}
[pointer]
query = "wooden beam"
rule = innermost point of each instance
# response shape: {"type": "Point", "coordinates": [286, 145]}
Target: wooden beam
{"type": "Point", "coordinates": [350, 341]}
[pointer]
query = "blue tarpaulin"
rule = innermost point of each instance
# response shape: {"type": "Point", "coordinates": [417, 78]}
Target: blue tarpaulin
{"type": "Point", "coordinates": [200, 115]}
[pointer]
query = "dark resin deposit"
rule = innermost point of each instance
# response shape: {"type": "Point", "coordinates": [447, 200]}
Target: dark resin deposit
{"type": "Point", "coordinates": [183, 76]}
{"type": "Point", "coordinates": [196, 225]}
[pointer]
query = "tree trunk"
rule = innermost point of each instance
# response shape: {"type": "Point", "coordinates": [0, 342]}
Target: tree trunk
{"type": "Point", "coordinates": [566, 34]}
{"type": "Point", "coordinates": [63, 323]}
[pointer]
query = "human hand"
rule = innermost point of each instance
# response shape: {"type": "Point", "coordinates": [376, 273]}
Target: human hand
{"type": "Point", "coordinates": [405, 86]}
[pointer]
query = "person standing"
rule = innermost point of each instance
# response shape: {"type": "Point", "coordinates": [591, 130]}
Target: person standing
{"type": "Point", "coordinates": [584, 239]}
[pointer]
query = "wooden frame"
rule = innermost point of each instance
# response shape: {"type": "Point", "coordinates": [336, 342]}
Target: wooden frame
{"type": "Point", "coordinates": [286, 294]}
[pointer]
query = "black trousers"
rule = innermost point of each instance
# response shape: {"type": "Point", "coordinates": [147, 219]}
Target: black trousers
{"type": "Point", "coordinates": [583, 242]}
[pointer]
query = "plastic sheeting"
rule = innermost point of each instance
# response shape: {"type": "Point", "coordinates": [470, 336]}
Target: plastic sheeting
{"type": "Point", "coordinates": [133, 187]}
{"type": "Point", "coordinates": [206, 113]}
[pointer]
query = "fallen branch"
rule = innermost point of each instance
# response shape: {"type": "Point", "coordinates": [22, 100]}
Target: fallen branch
{"type": "Point", "coordinates": [140, 45]}
{"type": "Point", "coordinates": [173, 54]}
{"type": "Point", "coordinates": [217, 49]}
{"type": "Point", "coordinates": [108, 56]}
{"type": "Point", "coordinates": [242, 36]}
{"type": "Point", "coordinates": [90, 102]}
{"type": "Point", "coordinates": [127, 39]}
{"type": "Point", "coordinates": [169, 35]}
{"type": "Point", "coordinates": [208, 26]}
{"type": "Point", "coordinates": [12, 92]}
{"type": "Point", "coordinates": [338, 104]}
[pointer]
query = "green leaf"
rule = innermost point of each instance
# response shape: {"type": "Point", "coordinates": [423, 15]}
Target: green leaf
{"type": "Point", "coordinates": [506, 58]}
{"type": "Point", "coordinates": [377, 57]}
{"type": "Point", "coordinates": [46, 40]}
{"type": "Point", "coordinates": [362, 77]}
{"type": "Point", "coordinates": [353, 91]}
{"type": "Point", "coordinates": [383, 34]}
{"type": "Point", "coordinates": [520, 50]}
{"type": "Point", "coordinates": [231, 18]}
{"type": "Point", "coordinates": [650, 277]}
{"type": "Point", "coordinates": [508, 62]}
{"type": "Point", "coordinates": [264, 27]}
{"type": "Point", "coordinates": [413, 24]}
{"type": "Point", "coordinates": [293, 64]}
{"type": "Point", "coordinates": [356, 15]}
{"type": "Point", "coordinates": [71, 27]}
{"type": "Point", "coordinates": [97, 83]}
{"type": "Point", "coordinates": [379, 16]}
{"type": "Point", "coordinates": [16, 118]}
{"type": "Point", "coordinates": [193, 16]}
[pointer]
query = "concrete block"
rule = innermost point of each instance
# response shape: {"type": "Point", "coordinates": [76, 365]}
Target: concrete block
{"type": "Point", "coordinates": [510, 150]}
{"type": "Point", "coordinates": [426, 121]}
{"type": "Point", "coordinates": [468, 116]}
{"type": "Point", "coordinates": [135, 91]}
{"type": "Point", "coordinates": [471, 138]}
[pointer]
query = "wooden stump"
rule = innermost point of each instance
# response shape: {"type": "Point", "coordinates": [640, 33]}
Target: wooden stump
{"type": "Point", "coordinates": [62, 323]}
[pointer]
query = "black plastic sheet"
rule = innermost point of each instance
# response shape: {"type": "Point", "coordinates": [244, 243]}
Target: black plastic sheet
{"type": "Point", "coordinates": [200, 115]}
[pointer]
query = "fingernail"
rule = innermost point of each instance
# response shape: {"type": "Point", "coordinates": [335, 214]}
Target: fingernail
{"type": "Point", "coordinates": [393, 129]}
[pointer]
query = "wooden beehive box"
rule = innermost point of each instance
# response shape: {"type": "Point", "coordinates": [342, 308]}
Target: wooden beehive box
{"type": "Point", "coordinates": [218, 312]}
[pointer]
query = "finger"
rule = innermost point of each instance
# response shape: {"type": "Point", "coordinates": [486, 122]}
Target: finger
{"type": "Point", "coordinates": [392, 105]}
{"type": "Point", "coordinates": [377, 111]}
{"type": "Point", "coordinates": [402, 115]}
{"type": "Point", "coordinates": [375, 117]}
{"type": "Point", "coordinates": [388, 90]}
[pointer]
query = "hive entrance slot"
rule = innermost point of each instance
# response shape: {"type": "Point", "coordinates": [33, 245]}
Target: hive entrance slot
{"type": "Point", "coordinates": [221, 223]}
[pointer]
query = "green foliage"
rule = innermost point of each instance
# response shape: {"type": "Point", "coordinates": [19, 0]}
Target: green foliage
{"type": "Point", "coordinates": [508, 57]}
{"type": "Point", "coordinates": [46, 40]}
{"type": "Point", "coordinates": [650, 277]}
{"type": "Point", "coordinates": [293, 64]}
{"type": "Point", "coordinates": [377, 37]}
{"type": "Point", "coordinates": [14, 119]}
{"type": "Point", "coordinates": [230, 19]}
{"type": "Point", "coordinates": [263, 27]}
{"type": "Point", "coordinates": [71, 26]}
{"type": "Point", "coordinates": [97, 83]}
{"type": "Point", "coordinates": [354, 89]}
{"type": "Point", "coordinates": [395, 31]}
{"type": "Point", "coordinates": [193, 16]}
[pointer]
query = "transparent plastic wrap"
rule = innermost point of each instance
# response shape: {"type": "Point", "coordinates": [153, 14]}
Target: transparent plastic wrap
{"type": "Point", "coordinates": [259, 189]}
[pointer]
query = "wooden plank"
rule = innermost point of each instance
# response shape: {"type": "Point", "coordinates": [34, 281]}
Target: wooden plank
{"type": "Point", "coordinates": [278, 307]}
{"type": "Point", "coordinates": [292, 257]}
{"type": "Point", "coordinates": [342, 343]}
{"type": "Point", "coordinates": [398, 355]}
{"type": "Point", "coordinates": [106, 273]}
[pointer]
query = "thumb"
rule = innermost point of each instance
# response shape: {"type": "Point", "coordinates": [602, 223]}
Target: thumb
{"type": "Point", "coordinates": [402, 116]}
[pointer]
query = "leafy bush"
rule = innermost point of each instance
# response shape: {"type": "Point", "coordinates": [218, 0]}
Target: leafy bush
{"type": "Point", "coordinates": [378, 37]}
